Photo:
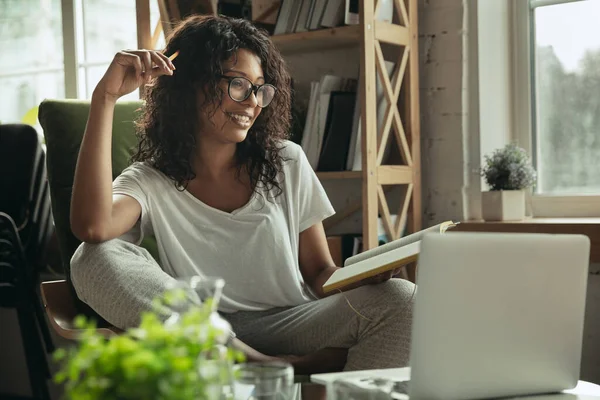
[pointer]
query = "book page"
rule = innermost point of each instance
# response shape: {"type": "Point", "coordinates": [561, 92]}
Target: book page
{"type": "Point", "coordinates": [394, 244]}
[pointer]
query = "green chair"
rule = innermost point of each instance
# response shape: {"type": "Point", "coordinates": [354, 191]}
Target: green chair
{"type": "Point", "coordinates": [63, 122]}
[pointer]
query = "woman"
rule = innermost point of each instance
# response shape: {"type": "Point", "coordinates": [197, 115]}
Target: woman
{"type": "Point", "coordinates": [225, 194]}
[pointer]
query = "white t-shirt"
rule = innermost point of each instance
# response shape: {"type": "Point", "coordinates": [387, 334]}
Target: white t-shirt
{"type": "Point", "coordinates": [254, 248]}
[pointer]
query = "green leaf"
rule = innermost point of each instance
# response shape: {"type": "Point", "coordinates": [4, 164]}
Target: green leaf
{"type": "Point", "coordinates": [149, 361]}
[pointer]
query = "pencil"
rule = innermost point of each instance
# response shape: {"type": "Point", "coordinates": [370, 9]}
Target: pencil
{"type": "Point", "coordinates": [174, 55]}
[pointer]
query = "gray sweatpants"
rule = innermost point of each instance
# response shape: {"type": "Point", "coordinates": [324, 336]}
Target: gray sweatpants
{"type": "Point", "coordinates": [119, 280]}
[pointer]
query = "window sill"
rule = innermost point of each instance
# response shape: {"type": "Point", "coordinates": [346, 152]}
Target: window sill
{"type": "Point", "coordinates": [584, 226]}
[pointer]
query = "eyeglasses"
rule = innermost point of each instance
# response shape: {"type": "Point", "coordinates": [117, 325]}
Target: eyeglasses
{"type": "Point", "coordinates": [240, 89]}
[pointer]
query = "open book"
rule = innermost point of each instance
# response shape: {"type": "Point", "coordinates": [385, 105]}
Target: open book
{"type": "Point", "coordinates": [384, 258]}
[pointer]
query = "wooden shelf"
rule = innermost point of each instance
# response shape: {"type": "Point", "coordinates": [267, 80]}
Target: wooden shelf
{"type": "Point", "coordinates": [366, 40]}
{"type": "Point", "coordinates": [322, 39]}
{"type": "Point", "coordinates": [388, 175]}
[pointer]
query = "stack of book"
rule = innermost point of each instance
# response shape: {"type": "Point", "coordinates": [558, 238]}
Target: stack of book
{"type": "Point", "coordinates": [332, 133]}
{"type": "Point", "coordinates": [307, 15]}
{"type": "Point", "coordinates": [304, 15]}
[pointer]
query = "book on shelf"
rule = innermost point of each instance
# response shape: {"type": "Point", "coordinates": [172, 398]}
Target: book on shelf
{"type": "Point", "coordinates": [333, 14]}
{"type": "Point", "coordinates": [352, 11]}
{"type": "Point", "coordinates": [294, 16]}
{"type": "Point", "coordinates": [303, 16]}
{"type": "Point", "coordinates": [387, 257]}
{"type": "Point", "coordinates": [351, 16]}
{"type": "Point", "coordinates": [283, 17]}
{"type": "Point", "coordinates": [338, 128]}
{"type": "Point", "coordinates": [331, 119]}
{"type": "Point", "coordinates": [316, 116]}
{"type": "Point", "coordinates": [314, 22]}
{"type": "Point", "coordinates": [306, 15]}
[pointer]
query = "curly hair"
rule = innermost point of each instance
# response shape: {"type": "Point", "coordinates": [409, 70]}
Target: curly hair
{"type": "Point", "coordinates": [168, 126]}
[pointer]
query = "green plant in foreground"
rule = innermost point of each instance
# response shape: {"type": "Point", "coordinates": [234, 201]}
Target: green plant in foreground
{"type": "Point", "coordinates": [508, 168]}
{"type": "Point", "coordinates": [153, 361]}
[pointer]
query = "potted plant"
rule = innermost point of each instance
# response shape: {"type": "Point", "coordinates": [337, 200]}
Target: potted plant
{"type": "Point", "coordinates": [181, 358]}
{"type": "Point", "coordinates": [507, 172]}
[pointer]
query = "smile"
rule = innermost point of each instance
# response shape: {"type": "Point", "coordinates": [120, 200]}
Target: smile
{"type": "Point", "coordinates": [240, 119]}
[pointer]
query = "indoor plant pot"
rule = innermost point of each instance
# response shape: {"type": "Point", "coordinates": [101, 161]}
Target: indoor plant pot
{"type": "Point", "coordinates": [507, 172]}
{"type": "Point", "coordinates": [503, 205]}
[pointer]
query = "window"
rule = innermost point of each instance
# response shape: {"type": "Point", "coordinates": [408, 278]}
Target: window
{"type": "Point", "coordinates": [563, 85]}
{"type": "Point", "coordinates": [34, 56]}
{"type": "Point", "coordinates": [567, 97]}
{"type": "Point", "coordinates": [31, 44]}
{"type": "Point", "coordinates": [107, 26]}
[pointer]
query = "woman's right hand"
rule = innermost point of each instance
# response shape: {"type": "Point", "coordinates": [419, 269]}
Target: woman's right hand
{"type": "Point", "coordinates": [130, 69]}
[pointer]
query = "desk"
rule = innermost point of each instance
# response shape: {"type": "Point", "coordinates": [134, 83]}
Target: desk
{"type": "Point", "coordinates": [584, 226]}
{"type": "Point", "coordinates": [583, 391]}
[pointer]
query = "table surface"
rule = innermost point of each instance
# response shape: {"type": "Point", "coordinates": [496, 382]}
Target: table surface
{"type": "Point", "coordinates": [583, 391]}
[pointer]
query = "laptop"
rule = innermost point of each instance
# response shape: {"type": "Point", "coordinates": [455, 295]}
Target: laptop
{"type": "Point", "coordinates": [495, 315]}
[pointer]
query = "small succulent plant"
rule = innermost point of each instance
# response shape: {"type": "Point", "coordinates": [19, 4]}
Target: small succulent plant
{"type": "Point", "coordinates": [508, 168]}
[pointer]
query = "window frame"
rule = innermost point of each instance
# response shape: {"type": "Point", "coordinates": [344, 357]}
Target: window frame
{"type": "Point", "coordinates": [70, 11]}
{"type": "Point", "coordinates": [75, 45]}
{"type": "Point", "coordinates": [524, 104]}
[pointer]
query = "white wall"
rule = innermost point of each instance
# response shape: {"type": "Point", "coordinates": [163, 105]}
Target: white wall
{"type": "Point", "coordinates": [442, 87]}
{"type": "Point", "coordinates": [495, 82]}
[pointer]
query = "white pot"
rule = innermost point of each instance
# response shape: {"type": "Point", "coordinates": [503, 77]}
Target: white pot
{"type": "Point", "coordinates": [503, 205]}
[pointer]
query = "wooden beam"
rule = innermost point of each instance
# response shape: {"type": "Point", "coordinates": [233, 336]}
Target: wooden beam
{"type": "Point", "coordinates": [391, 33]}
{"type": "Point", "coordinates": [394, 174]}
{"type": "Point", "coordinates": [401, 10]}
{"type": "Point", "coordinates": [369, 124]}
{"type": "Point", "coordinates": [400, 134]}
{"type": "Point", "coordinates": [165, 18]}
{"type": "Point", "coordinates": [397, 85]}
{"type": "Point", "coordinates": [156, 35]}
{"type": "Point", "coordinates": [414, 121]}
{"type": "Point", "coordinates": [383, 130]}
{"type": "Point", "coordinates": [142, 15]}
{"type": "Point", "coordinates": [71, 73]}
{"type": "Point", "coordinates": [144, 34]}
{"type": "Point", "coordinates": [392, 98]}
{"type": "Point", "coordinates": [412, 116]}
{"type": "Point", "coordinates": [174, 12]}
